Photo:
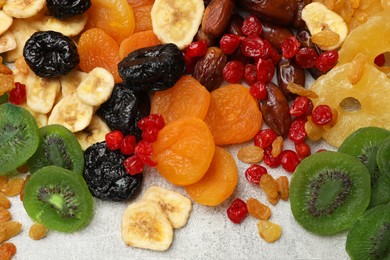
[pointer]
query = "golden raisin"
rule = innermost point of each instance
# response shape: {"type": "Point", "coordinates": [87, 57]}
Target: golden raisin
{"type": "Point", "coordinates": [4, 201]}
{"type": "Point", "coordinates": [13, 186]}
{"type": "Point", "coordinates": [277, 146]}
{"type": "Point", "coordinates": [3, 181]}
{"type": "Point", "coordinates": [6, 83]}
{"type": "Point", "coordinates": [301, 91]}
{"type": "Point", "coordinates": [359, 66]}
{"type": "Point", "coordinates": [4, 69]}
{"type": "Point", "coordinates": [314, 132]}
{"type": "Point", "coordinates": [269, 231]}
{"type": "Point", "coordinates": [21, 65]}
{"type": "Point", "coordinates": [268, 184]}
{"type": "Point", "coordinates": [257, 209]}
{"type": "Point", "coordinates": [7, 250]}
{"type": "Point", "coordinates": [283, 189]}
{"type": "Point", "coordinates": [4, 215]}
{"type": "Point", "coordinates": [37, 231]}
{"type": "Point", "coordinates": [325, 38]}
{"type": "Point", "coordinates": [9, 229]}
{"type": "Point", "coordinates": [250, 154]}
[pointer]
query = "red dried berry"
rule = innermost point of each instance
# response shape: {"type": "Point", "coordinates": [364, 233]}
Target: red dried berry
{"type": "Point", "coordinates": [290, 47]}
{"type": "Point", "coordinates": [229, 43]}
{"type": "Point", "coordinates": [237, 211]}
{"type": "Point", "coordinates": [197, 49]}
{"type": "Point", "coordinates": [264, 138]}
{"type": "Point", "coordinates": [380, 60]}
{"type": "Point", "coordinates": [269, 160]}
{"type": "Point", "coordinates": [306, 57]}
{"type": "Point", "coordinates": [17, 95]}
{"type": "Point", "coordinates": [258, 90]}
{"type": "Point", "coordinates": [265, 70]}
{"type": "Point", "coordinates": [144, 151]}
{"type": "Point", "coordinates": [303, 150]}
{"type": "Point", "coordinates": [133, 165]}
{"type": "Point", "coordinates": [275, 56]}
{"type": "Point", "coordinates": [297, 132]}
{"type": "Point", "coordinates": [289, 160]}
{"type": "Point", "coordinates": [251, 26]}
{"type": "Point", "coordinates": [301, 106]}
{"type": "Point", "coordinates": [233, 72]}
{"type": "Point", "coordinates": [151, 121]}
{"type": "Point", "coordinates": [128, 145]}
{"type": "Point", "coordinates": [114, 140]}
{"type": "Point", "coordinates": [327, 60]}
{"type": "Point", "coordinates": [254, 173]}
{"type": "Point", "coordinates": [150, 134]}
{"type": "Point", "coordinates": [190, 63]}
{"type": "Point", "coordinates": [254, 47]}
{"type": "Point", "coordinates": [250, 74]}
{"type": "Point", "coordinates": [322, 115]}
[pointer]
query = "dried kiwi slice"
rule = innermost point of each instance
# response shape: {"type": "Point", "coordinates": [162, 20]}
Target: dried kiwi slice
{"type": "Point", "coordinates": [59, 199]}
{"type": "Point", "coordinates": [369, 237]}
{"type": "Point", "coordinates": [329, 191]}
{"type": "Point", "coordinates": [58, 146]}
{"type": "Point", "coordinates": [364, 144]}
{"type": "Point", "coordinates": [383, 158]}
{"type": "Point", "coordinates": [19, 137]}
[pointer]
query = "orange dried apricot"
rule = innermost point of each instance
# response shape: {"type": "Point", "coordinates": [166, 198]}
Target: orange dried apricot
{"type": "Point", "coordinates": [115, 17]}
{"type": "Point", "coordinates": [135, 3]}
{"type": "Point", "coordinates": [136, 41]}
{"type": "Point", "coordinates": [184, 150]}
{"type": "Point", "coordinates": [143, 19]}
{"type": "Point", "coordinates": [98, 49]}
{"type": "Point", "coordinates": [187, 98]}
{"type": "Point", "coordinates": [219, 181]}
{"type": "Point", "coordinates": [233, 115]}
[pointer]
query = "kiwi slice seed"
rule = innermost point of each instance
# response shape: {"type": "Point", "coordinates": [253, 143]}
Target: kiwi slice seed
{"type": "Point", "coordinates": [383, 159]}
{"type": "Point", "coordinates": [19, 137]}
{"type": "Point", "coordinates": [58, 146]}
{"type": "Point", "coordinates": [59, 199]}
{"type": "Point", "coordinates": [328, 191]}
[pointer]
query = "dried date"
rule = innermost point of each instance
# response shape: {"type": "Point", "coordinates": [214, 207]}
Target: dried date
{"type": "Point", "coordinates": [288, 71]}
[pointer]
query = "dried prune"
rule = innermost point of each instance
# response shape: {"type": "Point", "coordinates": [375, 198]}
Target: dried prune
{"type": "Point", "coordinates": [106, 176]}
{"type": "Point", "coordinates": [124, 108]}
{"type": "Point", "coordinates": [152, 68]}
{"type": "Point", "coordinates": [62, 9]}
{"type": "Point", "coordinates": [50, 54]}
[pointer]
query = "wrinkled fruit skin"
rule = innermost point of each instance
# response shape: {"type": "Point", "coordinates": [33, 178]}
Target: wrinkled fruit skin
{"type": "Point", "coordinates": [106, 176]}
{"type": "Point", "coordinates": [123, 110]}
{"type": "Point", "coordinates": [50, 54]}
{"type": "Point", "coordinates": [63, 9]}
{"type": "Point", "coordinates": [152, 68]}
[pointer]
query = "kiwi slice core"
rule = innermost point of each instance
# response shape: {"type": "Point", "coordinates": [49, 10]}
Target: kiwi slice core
{"type": "Point", "coordinates": [328, 191]}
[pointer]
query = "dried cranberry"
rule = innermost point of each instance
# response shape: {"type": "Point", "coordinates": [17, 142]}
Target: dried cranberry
{"type": "Point", "coordinates": [190, 63]}
{"type": "Point", "coordinates": [264, 138]}
{"type": "Point", "coordinates": [303, 150]}
{"type": "Point", "coordinates": [297, 132]}
{"type": "Point", "coordinates": [327, 60]}
{"type": "Point", "coordinates": [306, 57]}
{"type": "Point", "coordinates": [258, 90]}
{"type": "Point", "coordinates": [322, 115]}
{"type": "Point", "coordinates": [233, 72]}
{"type": "Point", "coordinates": [290, 47]}
{"type": "Point", "coordinates": [265, 70]}
{"type": "Point", "coordinates": [229, 43]}
{"type": "Point", "coordinates": [237, 211]}
{"type": "Point", "coordinates": [197, 49]}
{"type": "Point", "coordinates": [133, 165]}
{"type": "Point", "coordinates": [144, 151]}
{"type": "Point", "coordinates": [128, 145]}
{"type": "Point", "coordinates": [250, 74]}
{"type": "Point", "coordinates": [151, 121]}
{"type": "Point", "coordinates": [114, 140]}
{"type": "Point", "coordinates": [254, 173]}
{"type": "Point", "coordinates": [254, 47]}
{"type": "Point", "coordinates": [251, 26]}
{"type": "Point", "coordinates": [275, 56]}
{"type": "Point", "coordinates": [17, 95]}
{"type": "Point", "coordinates": [150, 134]}
{"type": "Point", "coordinates": [301, 106]}
{"type": "Point", "coordinates": [269, 160]}
{"type": "Point", "coordinates": [289, 160]}
{"type": "Point", "coordinates": [380, 60]}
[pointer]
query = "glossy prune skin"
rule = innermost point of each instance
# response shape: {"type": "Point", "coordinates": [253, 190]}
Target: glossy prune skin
{"type": "Point", "coordinates": [50, 54]}
{"type": "Point", "coordinates": [62, 9]}
{"type": "Point", "coordinates": [152, 68]}
{"type": "Point", "coordinates": [106, 176]}
{"type": "Point", "coordinates": [124, 108]}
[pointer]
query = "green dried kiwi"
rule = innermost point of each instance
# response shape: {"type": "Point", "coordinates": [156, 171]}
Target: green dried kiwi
{"type": "Point", "coordinates": [364, 144]}
{"type": "Point", "coordinates": [59, 199]}
{"type": "Point", "coordinates": [383, 158]}
{"type": "Point", "coordinates": [369, 237]}
{"type": "Point", "coordinates": [58, 146]}
{"type": "Point", "coordinates": [329, 191]}
{"type": "Point", "coordinates": [19, 137]}
{"type": "Point", "coordinates": [3, 98]}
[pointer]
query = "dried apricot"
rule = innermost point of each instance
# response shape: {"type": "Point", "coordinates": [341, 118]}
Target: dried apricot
{"type": "Point", "coordinates": [187, 98]}
{"type": "Point", "coordinates": [135, 3]}
{"type": "Point", "coordinates": [143, 19]}
{"type": "Point", "coordinates": [7, 250]}
{"type": "Point", "coordinates": [184, 150]}
{"type": "Point", "coordinates": [98, 49]}
{"type": "Point", "coordinates": [257, 209]}
{"type": "Point", "coordinates": [136, 41]}
{"type": "Point", "coordinates": [233, 115]}
{"type": "Point", "coordinates": [115, 17]}
{"type": "Point", "coordinates": [219, 181]}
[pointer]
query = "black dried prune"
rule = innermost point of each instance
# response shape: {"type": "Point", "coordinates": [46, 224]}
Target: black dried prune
{"type": "Point", "coordinates": [152, 68]}
{"type": "Point", "coordinates": [50, 54]}
{"type": "Point", "coordinates": [62, 9]}
{"type": "Point", "coordinates": [124, 108]}
{"type": "Point", "coordinates": [106, 175]}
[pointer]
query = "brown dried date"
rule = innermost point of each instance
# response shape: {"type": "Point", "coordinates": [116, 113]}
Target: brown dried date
{"type": "Point", "coordinates": [275, 110]}
{"type": "Point", "coordinates": [298, 22]}
{"type": "Point", "coordinates": [275, 34]}
{"type": "Point", "coordinates": [235, 24]}
{"type": "Point", "coordinates": [277, 11]}
{"type": "Point", "coordinates": [289, 71]}
{"type": "Point", "coordinates": [216, 17]}
{"type": "Point", "coordinates": [208, 69]}
{"type": "Point", "coordinates": [202, 36]}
